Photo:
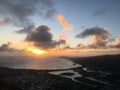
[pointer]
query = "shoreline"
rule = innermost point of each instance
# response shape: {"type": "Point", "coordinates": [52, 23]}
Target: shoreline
{"type": "Point", "coordinates": [94, 75]}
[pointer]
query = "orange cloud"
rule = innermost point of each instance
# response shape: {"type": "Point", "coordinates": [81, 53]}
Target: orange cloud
{"type": "Point", "coordinates": [64, 23]}
{"type": "Point", "coordinates": [117, 41]}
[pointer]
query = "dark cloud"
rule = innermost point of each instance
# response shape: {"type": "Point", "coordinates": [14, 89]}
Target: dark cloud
{"type": "Point", "coordinates": [94, 31]}
{"type": "Point", "coordinates": [5, 20]}
{"type": "Point", "coordinates": [22, 10]}
{"type": "Point", "coordinates": [79, 45]}
{"type": "Point", "coordinates": [99, 41]}
{"type": "Point", "coordinates": [111, 40]}
{"type": "Point", "coordinates": [100, 11]}
{"type": "Point", "coordinates": [100, 36]}
{"type": "Point", "coordinates": [60, 42]}
{"type": "Point", "coordinates": [115, 45]}
{"type": "Point", "coordinates": [50, 13]}
{"type": "Point", "coordinates": [6, 48]}
{"type": "Point", "coordinates": [42, 37]}
{"type": "Point", "coordinates": [26, 29]}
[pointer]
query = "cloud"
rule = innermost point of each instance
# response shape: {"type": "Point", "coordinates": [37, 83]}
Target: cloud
{"type": "Point", "coordinates": [64, 23]}
{"type": "Point", "coordinates": [7, 48]}
{"type": "Point", "coordinates": [100, 11]}
{"type": "Point", "coordinates": [5, 20]}
{"type": "Point", "coordinates": [22, 11]}
{"type": "Point", "coordinates": [99, 41]}
{"type": "Point", "coordinates": [60, 42]}
{"type": "Point", "coordinates": [111, 40]}
{"type": "Point", "coordinates": [117, 42]}
{"type": "Point", "coordinates": [79, 45]}
{"type": "Point", "coordinates": [94, 31]}
{"type": "Point", "coordinates": [50, 13]}
{"type": "Point", "coordinates": [100, 36]}
{"type": "Point", "coordinates": [42, 37]}
{"type": "Point", "coordinates": [63, 36]}
{"type": "Point", "coordinates": [26, 29]}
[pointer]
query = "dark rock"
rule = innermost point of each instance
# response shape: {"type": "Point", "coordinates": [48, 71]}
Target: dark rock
{"type": "Point", "coordinates": [67, 74]}
{"type": "Point", "coordinates": [13, 79]}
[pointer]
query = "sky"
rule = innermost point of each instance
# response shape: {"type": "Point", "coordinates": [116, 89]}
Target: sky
{"type": "Point", "coordinates": [59, 24]}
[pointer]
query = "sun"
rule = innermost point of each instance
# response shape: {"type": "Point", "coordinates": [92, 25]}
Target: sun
{"type": "Point", "coordinates": [36, 51]}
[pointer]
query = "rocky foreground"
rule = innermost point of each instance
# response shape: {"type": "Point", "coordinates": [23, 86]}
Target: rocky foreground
{"type": "Point", "coordinates": [97, 73]}
{"type": "Point", "coordinates": [12, 79]}
{"type": "Point", "coordinates": [100, 72]}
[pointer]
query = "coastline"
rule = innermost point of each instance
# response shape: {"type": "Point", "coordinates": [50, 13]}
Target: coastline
{"type": "Point", "coordinates": [97, 74]}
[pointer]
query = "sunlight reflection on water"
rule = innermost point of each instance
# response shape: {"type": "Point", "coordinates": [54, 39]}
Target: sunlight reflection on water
{"type": "Point", "coordinates": [26, 62]}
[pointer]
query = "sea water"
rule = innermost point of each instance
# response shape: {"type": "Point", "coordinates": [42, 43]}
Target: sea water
{"type": "Point", "coordinates": [42, 63]}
